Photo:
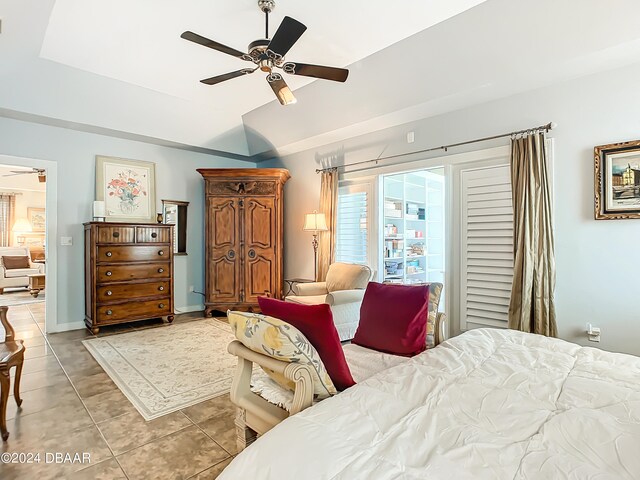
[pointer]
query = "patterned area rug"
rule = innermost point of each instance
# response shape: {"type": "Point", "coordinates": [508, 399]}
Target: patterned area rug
{"type": "Point", "coordinates": [19, 297]}
{"type": "Point", "coordinates": [164, 369]}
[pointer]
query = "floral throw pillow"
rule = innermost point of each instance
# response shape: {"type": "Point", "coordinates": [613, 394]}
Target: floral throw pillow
{"type": "Point", "coordinates": [282, 341]}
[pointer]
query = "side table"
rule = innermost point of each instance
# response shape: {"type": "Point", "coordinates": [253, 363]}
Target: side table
{"type": "Point", "coordinates": [292, 281]}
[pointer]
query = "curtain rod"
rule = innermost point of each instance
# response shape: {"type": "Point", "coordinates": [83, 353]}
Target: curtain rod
{"type": "Point", "coordinates": [545, 128]}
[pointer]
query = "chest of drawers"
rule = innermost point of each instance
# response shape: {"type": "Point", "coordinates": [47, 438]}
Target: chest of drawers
{"type": "Point", "coordinates": [128, 273]}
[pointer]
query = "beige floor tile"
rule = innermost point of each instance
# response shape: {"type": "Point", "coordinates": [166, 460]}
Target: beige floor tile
{"type": "Point", "coordinates": [107, 470]}
{"type": "Point", "coordinates": [34, 341]}
{"type": "Point", "coordinates": [71, 336]}
{"type": "Point", "coordinates": [25, 430]}
{"type": "Point", "coordinates": [179, 455]}
{"type": "Point", "coordinates": [41, 399]}
{"type": "Point", "coordinates": [107, 405]}
{"type": "Point", "coordinates": [213, 472]}
{"type": "Point", "coordinates": [223, 430]}
{"type": "Point", "coordinates": [39, 351]}
{"type": "Point", "coordinates": [88, 368]}
{"type": "Point", "coordinates": [210, 408]}
{"type": "Point", "coordinates": [129, 431]}
{"type": "Point", "coordinates": [46, 378]}
{"type": "Point", "coordinates": [93, 385]}
{"type": "Point", "coordinates": [32, 365]}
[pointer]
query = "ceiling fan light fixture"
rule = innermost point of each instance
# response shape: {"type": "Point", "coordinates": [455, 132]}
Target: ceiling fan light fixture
{"type": "Point", "coordinates": [285, 95]}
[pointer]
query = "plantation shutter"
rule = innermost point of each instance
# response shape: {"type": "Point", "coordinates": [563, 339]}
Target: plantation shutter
{"type": "Point", "coordinates": [486, 247]}
{"type": "Point", "coordinates": [352, 237]}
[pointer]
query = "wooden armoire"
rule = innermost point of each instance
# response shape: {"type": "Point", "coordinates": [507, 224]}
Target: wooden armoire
{"type": "Point", "coordinates": [244, 236]}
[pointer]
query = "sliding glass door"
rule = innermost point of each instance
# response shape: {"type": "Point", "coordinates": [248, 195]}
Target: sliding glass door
{"type": "Point", "coordinates": [413, 227]}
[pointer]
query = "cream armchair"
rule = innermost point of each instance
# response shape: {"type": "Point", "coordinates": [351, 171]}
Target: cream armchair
{"type": "Point", "coordinates": [343, 290]}
{"type": "Point", "coordinates": [17, 277]}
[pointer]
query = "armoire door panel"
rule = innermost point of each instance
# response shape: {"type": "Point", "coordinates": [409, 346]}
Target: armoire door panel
{"type": "Point", "coordinates": [259, 222]}
{"type": "Point", "coordinates": [259, 277]}
{"type": "Point", "coordinates": [223, 217]}
{"type": "Point", "coordinates": [224, 269]}
{"type": "Point", "coordinates": [225, 283]}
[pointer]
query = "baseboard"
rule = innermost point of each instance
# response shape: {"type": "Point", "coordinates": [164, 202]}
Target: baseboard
{"type": "Point", "coordinates": [65, 327]}
{"type": "Point", "coordinates": [189, 309]}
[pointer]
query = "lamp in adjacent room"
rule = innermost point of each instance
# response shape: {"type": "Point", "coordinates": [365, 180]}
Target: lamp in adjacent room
{"type": "Point", "coordinates": [21, 226]}
{"type": "Point", "coordinates": [315, 222]}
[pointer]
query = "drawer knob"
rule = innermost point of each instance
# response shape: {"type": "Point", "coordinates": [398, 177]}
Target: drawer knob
{"type": "Point", "coordinates": [161, 305]}
{"type": "Point", "coordinates": [116, 234]}
{"type": "Point", "coordinates": [160, 270]}
{"type": "Point", "coordinates": [161, 252]}
{"type": "Point", "coordinates": [161, 289]}
{"type": "Point", "coordinates": [108, 254]}
{"type": "Point", "coordinates": [154, 235]}
{"type": "Point", "coordinates": [109, 273]}
{"type": "Point", "coordinates": [109, 312]}
{"type": "Point", "coordinates": [109, 293]}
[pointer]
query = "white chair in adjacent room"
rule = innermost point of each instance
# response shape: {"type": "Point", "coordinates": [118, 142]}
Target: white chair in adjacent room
{"type": "Point", "coordinates": [17, 277]}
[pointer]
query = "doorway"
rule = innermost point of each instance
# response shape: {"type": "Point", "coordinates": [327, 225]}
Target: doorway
{"type": "Point", "coordinates": [27, 242]}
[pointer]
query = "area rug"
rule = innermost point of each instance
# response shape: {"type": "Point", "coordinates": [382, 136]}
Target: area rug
{"type": "Point", "coordinates": [164, 369]}
{"type": "Point", "coordinates": [19, 297]}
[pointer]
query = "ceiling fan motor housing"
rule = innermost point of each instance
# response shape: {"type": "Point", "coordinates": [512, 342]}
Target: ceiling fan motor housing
{"type": "Point", "coordinates": [267, 6]}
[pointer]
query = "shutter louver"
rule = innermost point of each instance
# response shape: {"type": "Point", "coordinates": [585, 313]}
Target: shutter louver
{"type": "Point", "coordinates": [486, 247]}
{"type": "Point", "coordinates": [352, 228]}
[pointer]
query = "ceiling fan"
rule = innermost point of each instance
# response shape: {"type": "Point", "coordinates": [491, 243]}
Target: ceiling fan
{"type": "Point", "coordinates": [42, 176]}
{"type": "Point", "coordinates": [269, 54]}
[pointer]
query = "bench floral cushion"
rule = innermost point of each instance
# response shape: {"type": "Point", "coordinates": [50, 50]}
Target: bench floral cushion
{"type": "Point", "coordinates": [282, 341]}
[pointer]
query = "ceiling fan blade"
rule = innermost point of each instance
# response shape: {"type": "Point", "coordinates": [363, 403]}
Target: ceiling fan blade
{"type": "Point", "coordinates": [288, 33]}
{"type": "Point", "coordinates": [316, 71]}
{"type": "Point", "coordinates": [228, 76]}
{"type": "Point", "coordinates": [200, 40]}
{"type": "Point", "coordinates": [281, 89]}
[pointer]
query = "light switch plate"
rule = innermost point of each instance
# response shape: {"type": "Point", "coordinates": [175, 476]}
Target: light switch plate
{"type": "Point", "coordinates": [66, 241]}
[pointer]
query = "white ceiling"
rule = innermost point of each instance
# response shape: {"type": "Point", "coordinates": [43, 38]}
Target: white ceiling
{"type": "Point", "coordinates": [120, 66]}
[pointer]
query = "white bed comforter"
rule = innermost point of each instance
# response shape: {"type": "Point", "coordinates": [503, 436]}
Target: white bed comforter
{"type": "Point", "coordinates": [489, 404]}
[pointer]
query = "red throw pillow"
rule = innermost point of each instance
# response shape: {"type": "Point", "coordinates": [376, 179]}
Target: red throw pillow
{"type": "Point", "coordinates": [316, 323]}
{"type": "Point", "coordinates": [393, 319]}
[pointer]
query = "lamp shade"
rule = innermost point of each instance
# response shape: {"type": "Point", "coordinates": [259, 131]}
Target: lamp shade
{"type": "Point", "coordinates": [315, 222]}
{"type": "Point", "coordinates": [22, 225]}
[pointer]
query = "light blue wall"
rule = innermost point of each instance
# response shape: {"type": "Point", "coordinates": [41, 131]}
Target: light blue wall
{"type": "Point", "coordinates": [74, 152]}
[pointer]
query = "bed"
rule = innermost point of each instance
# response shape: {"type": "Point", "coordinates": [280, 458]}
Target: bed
{"type": "Point", "coordinates": [487, 404]}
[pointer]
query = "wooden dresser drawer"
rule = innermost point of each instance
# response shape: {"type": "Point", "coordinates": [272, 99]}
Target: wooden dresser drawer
{"type": "Point", "coordinates": [110, 293]}
{"type": "Point", "coordinates": [116, 234]}
{"type": "Point", "coordinates": [153, 234]}
{"type": "Point", "coordinates": [134, 253]}
{"type": "Point", "coordinates": [119, 311]}
{"type": "Point", "coordinates": [119, 273]}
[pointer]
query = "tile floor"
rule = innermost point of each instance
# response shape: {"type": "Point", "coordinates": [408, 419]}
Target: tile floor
{"type": "Point", "coordinates": [70, 405]}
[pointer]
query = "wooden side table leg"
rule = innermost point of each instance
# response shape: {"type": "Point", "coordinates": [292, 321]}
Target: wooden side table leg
{"type": "Point", "coordinates": [4, 396]}
{"type": "Point", "coordinates": [16, 382]}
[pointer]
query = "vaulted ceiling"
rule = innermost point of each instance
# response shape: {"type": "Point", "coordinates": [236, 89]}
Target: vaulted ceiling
{"type": "Point", "coordinates": [121, 67]}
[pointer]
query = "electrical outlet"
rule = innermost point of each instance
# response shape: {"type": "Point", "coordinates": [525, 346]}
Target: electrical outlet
{"type": "Point", "coordinates": [192, 288]}
{"type": "Point", "coordinates": [593, 333]}
{"type": "Point", "coordinates": [411, 137]}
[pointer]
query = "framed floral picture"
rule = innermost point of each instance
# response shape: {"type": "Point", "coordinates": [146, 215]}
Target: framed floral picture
{"type": "Point", "coordinates": [36, 217]}
{"type": "Point", "coordinates": [127, 188]}
{"type": "Point", "coordinates": [617, 181]}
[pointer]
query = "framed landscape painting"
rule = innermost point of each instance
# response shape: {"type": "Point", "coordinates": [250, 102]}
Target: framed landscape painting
{"type": "Point", "coordinates": [36, 217]}
{"type": "Point", "coordinates": [617, 181]}
{"type": "Point", "coordinates": [127, 188]}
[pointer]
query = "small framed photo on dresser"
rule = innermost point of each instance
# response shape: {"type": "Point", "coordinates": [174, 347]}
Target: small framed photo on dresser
{"type": "Point", "coordinates": [617, 181]}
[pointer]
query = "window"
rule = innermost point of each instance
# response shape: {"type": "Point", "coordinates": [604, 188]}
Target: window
{"type": "Point", "coordinates": [486, 247]}
{"type": "Point", "coordinates": [352, 238]}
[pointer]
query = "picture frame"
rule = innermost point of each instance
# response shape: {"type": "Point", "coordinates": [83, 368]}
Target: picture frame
{"type": "Point", "coordinates": [617, 180]}
{"type": "Point", "coordinates": [37, 218]}
{"type": "Point", "coordinates": [128, 188]}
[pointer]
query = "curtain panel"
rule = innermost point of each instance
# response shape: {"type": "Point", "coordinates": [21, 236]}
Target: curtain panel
{"type": "Point", "coordinates": [7, 210]}
{"type": "Point", "coordinates": [328, 206]}
{"type": "Point", "coordinates": [532, 307]}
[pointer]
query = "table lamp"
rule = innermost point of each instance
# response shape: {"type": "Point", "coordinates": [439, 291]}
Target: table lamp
{"type": "Point", "coordinates": [315, 222]}
{"type": "Point", "coordinates": [21, 227]}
